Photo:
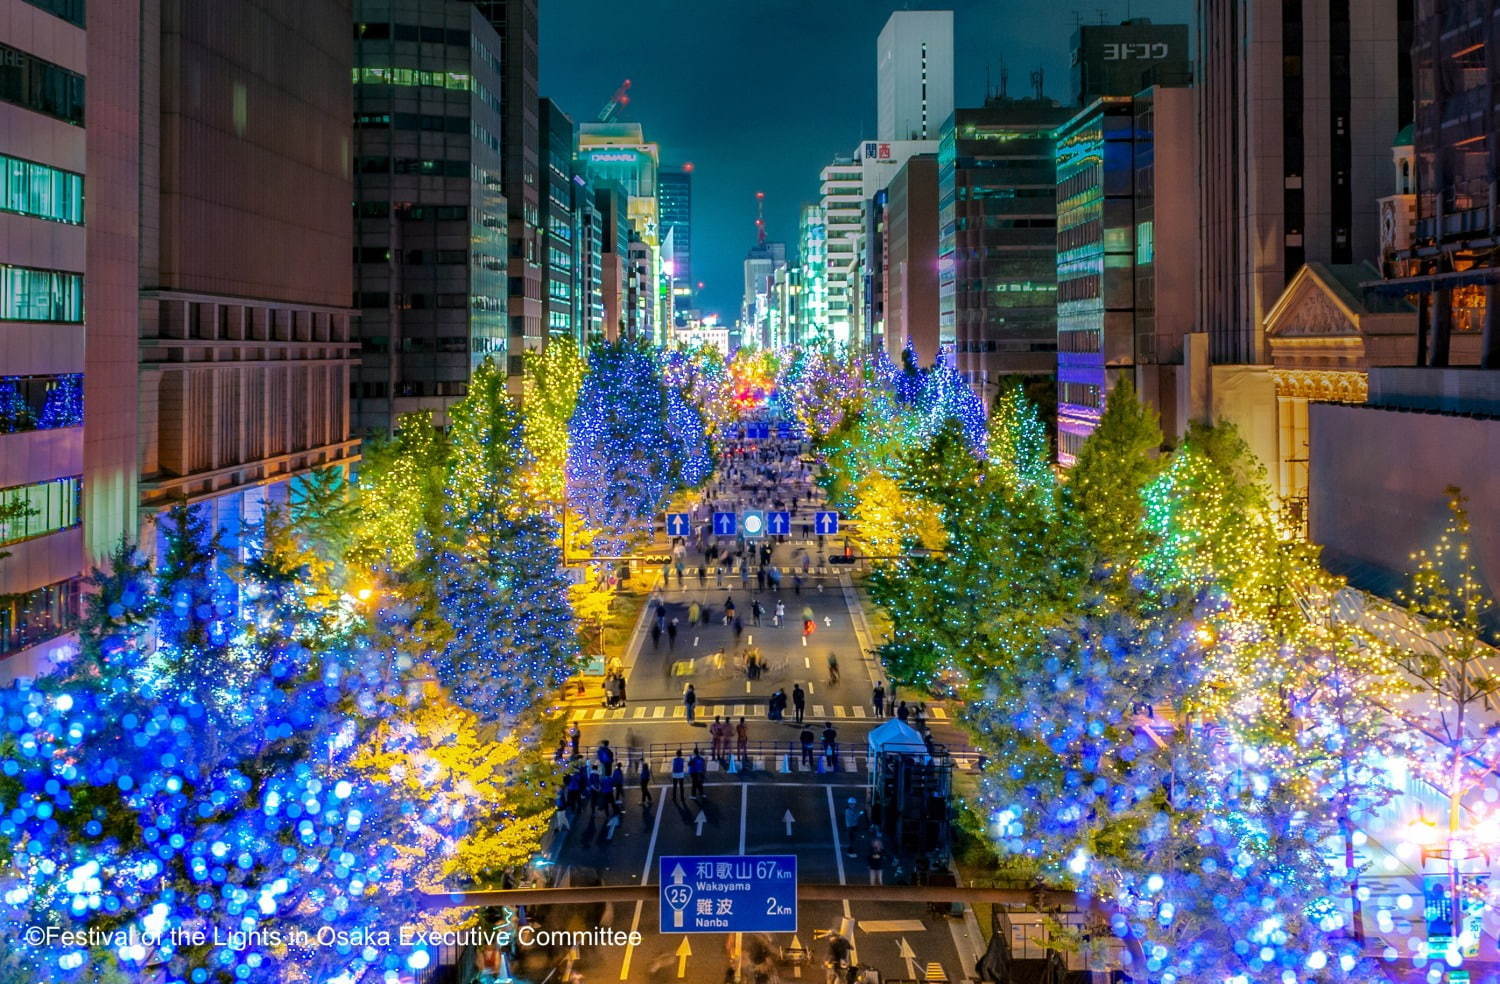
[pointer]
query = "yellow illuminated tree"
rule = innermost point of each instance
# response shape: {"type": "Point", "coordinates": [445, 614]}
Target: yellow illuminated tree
{"type": "Point", "coordinates": [552, 378]}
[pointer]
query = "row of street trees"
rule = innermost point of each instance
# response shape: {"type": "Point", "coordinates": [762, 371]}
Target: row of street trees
{"type": "Point", "coordinates": [308, 732]}
{"type": "Point", "coordinates": [1179, 725]}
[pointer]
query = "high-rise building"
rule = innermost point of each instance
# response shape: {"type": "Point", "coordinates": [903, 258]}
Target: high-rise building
{"type": "Point", "coordinates": [997, 241]}
{"type": "Point", "coordinates": [1450, 171]}
{"type": "Point", "coordinates": [758, 300]}
{"type": "Point", "coordinates": [614, 228]}
{"type": "Point", "coordinates": [675, 185]}
{"type": "Point", "coordinates": [43, 271]}
{"type": "Point", "coordinates": [1127, 221]}
{"type": "Point", "coordinates": [1297, 106]}
{"type": "Point", "coordinates": [215, 367]}
{"type": "Point", "coordinates": [812, 264]}
{"type": "Point", "coordinates": [848, 185]}
{"type": "Point", "coordinates": [914, 74]}
{"type": "Point", "coordinates": [588, 260]}
{"type": "Point", "coordinates": [619, 152]}
{"type": "Point", "coordinates": [910, 276]}
{"type": "Point", "coordinates": [1122, 59]}
{"type": "Point", "coordinates": [557, 222]}
{"type": "Point", "coordinates": [516, 22]}
{"type": "Point", "coordinates": [430, 252]}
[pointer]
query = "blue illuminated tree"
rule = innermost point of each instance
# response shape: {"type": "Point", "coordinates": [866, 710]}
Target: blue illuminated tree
{"type": "Point", "coordinates": [620, 462]}
{"type": "Point", "coordinates": [63, 406]}
{"type": "Point", "coordinates": [692, 454]}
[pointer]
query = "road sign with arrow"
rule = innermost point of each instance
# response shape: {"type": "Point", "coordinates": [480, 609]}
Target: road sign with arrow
{"type": "Point", "coordinates": [679, 524]}
{"type": "Point", "coordinates": [827, 523]}
{"type": "Point", "coordinates": [728, 893]}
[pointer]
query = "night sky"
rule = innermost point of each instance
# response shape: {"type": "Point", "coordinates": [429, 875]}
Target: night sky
{"type": "Point", "coordinates": [760, 94]}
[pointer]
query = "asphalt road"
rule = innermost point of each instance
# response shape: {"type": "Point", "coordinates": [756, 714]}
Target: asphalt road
{"type": "Point", "coordinates": [749, 812]}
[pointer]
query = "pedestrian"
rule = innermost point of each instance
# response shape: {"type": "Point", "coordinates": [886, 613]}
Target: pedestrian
{"type": "Point", "coordinates": [702, 576]}
{"type": "Point", "coordinates": [756, 610]}
{"type": "Point", "coordinates": [780, 612]}
{"type": "Point", "coordinates": [728, 608]}
{"type": "Point", "coordinates": [806, 738]}
{"type": "Point", "coordinates": [562, 751]}
{"type": "Point", "coordinates": [739, 627]}
{"type": "Point", "coordinates": [799, 700]}
{"type": "Point", "coordinates": [655, 636]}
{"type": "Point", "coordinates": [719, 576]}
{"type": "Point", "coordinates": [672, 635]}
{"type": "Point", "coordinates": [807, 629]}
{"type": "Point", "coordinates": [879, 700]}
{"type": "Point", "coordinates": [573, 736]}
{"type": "Point", "coordinates": [830, 744]}
{"type": "Point", "coordinates": [617, 787]}
{"type": "Point", "coordinates": [876, 861]}
{"type": "Point", "coordinates": [902, 713]}
{"type": "Point", "coordinates": [697, 769]}
{"type": "Point", "coordinates": [833, 668]}
{"type": "Point", "coordinates": [760, 578]}
{"type": "Point", "coordinates": [690, 702]}
{"type": "Point", "coordinates": [694, 610]}
{"type": "Point", "coordinates": [890, 699]}
{"type": "Point", "coordinates": [620, 688]}
{"type": "Point", "coordinates": [708, 613]}
{"type": "Point", "coordinates": [605, 754]}
{"type": "Point", "coordinates": [679, 773]}
{"type": "Point", "coordinates": [716, 749]}
{"type": "Point", "coordinates": [852, 816]}
{"type": "Point", "coordinates": [645, 780]}
{"type": "Point", "coordinates": [797, 584]}
{"type": "Point", "coordinates": [742, 741]}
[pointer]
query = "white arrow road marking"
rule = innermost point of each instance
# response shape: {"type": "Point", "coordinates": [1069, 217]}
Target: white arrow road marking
{"type": "Point", "coordinates": [788, 819]}
{"type": "Point", "coordinates": [683, 952]}
{"type": "Point", "coordinates": [699, 821]}
{"type": "Point", "coordinates": [906, 954]}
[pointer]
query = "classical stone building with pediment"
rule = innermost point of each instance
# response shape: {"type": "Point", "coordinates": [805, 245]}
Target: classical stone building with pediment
{"type": "Point", "coordinates": [1322, 335]}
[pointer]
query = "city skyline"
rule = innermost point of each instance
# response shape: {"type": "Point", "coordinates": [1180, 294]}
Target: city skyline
{"type": "Point", "coordinates": [818, 91]}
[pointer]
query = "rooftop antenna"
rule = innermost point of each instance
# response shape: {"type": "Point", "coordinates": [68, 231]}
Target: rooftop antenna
{"type": "Point", "coordinates": [1004, 79]}
{"type": "Point", "coordinates": [1102, 13]}
{"type": "Point", "coordinates": [760, 218]}
{"type": "Point", "coordinates": [1037, 78]}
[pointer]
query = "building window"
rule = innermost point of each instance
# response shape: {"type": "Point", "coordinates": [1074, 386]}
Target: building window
{"type": "Point", "coordinates": [30, 403]}
{"type": "Point", "coordinates": [69, 10]}
{"type": "Point", "coordinates": [39, 85]}
{"type": "Point", "coordinates": [49, 507]}
{"type": "Point", "coordinates": [36, 616]}
{"type": "Point", "coordinates": [37, 190]}
{"type": "Point", "coordinates": [40, 295]}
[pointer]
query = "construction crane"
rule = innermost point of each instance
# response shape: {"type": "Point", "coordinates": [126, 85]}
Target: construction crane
{"type": "Point", "coordinates": [760, 218]}
{"type": "Point", "coordinates": [616, 102]}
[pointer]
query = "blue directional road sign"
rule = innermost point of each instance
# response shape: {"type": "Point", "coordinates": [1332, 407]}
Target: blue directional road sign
{"type": "Point", "coordinates": [679, 524]}
{"type": "Point", "coordinates": [753, 522]}
{"type": "Point", "coordinates": [757, 430]}
{"type": "Point", "coordinates": [783, 429]}
{"type": "Point", "coordinates": [729, 894]}
{"type": "Point", "coordinates": [778, 523]}
{"type": "Point", "coordinates": [826, 523]}
{"type": "Point", "coordinates": [725, 524]}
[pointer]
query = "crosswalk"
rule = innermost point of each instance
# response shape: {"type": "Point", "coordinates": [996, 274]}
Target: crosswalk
{"type": "Point", "coordinates": [785, 763]}
{"type": "Point", "coordinates": [649, 712]}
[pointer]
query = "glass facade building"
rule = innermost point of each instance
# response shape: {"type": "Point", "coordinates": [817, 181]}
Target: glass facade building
{"type": "Point", "coordinates": [431, 254]}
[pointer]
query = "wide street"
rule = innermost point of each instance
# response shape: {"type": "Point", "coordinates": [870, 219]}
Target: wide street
{"type": "Point", "coordinates": [771, 802]}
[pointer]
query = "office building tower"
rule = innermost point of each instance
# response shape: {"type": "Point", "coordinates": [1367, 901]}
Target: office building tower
{"type": "Point", "coordinates": [997, 241]}
{"type": "Point", "coordinates": [516, 23]}
{"type": "Point", "coordinates": [43, 271]}
{"type": "Point", "coordinates": [812, 263]}
{"type": "Point", "coordinates": [1297, 107]}
{"type": "Point", "coordinates": [619, 152]}
{"type": "Point", "coordinates": [914, 74]}
{"type": "Point", "coordinates": [910, 276]}
{"type": "Point", "coordinates": [675, 185]}
{"type": "Point", "coordinates": [612, 205]}
{"type": "Point", "coordinates": [557, 223]}
{"type": "Point", "coordinates": [1127, 221]}
{"type": "Point", "coordinates": [757, 300]}
{"type": "Point", "coordinates": [430, 256]}
{"type": "Point", "coordinates": [214, 368]}
{"type": "Point", "coordinates": [588, 261]}
{"type": "Point", "coordinates": [1122, 59]}
{"type": "Point", "coordinates": [1449, 169]}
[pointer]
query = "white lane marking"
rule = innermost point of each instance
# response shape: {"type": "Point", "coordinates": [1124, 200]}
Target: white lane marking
{"type": "Point", "coordinates": [839, 712]}
{"type": "Point", "coordinates": [817, 711]}
{"type": "Point", "coordinates": [661, 710]}
{"type": "Point", "coordinates": [838, 849]}
{"type": "Point", "coordinates": [859, 710]}
{"type": "Point", "coordinates": [635, 922]}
